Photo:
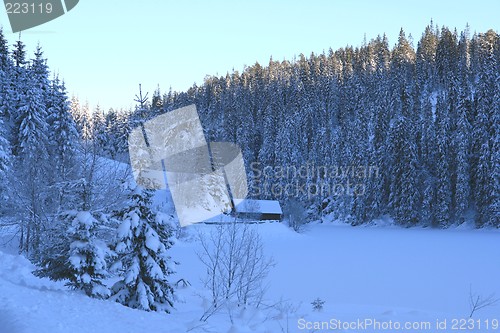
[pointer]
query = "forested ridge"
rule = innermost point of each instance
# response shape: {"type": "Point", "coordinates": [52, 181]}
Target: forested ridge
{"type": "Point", "coordinates": [410, 132]}
{"type": "Point", "coordinates": [419, 127]}
{"type": "Point", "coordinates": [356, 134]}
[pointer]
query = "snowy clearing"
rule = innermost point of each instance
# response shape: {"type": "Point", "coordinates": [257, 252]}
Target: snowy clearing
{"type": "Point", "coordinates": [379, 273]}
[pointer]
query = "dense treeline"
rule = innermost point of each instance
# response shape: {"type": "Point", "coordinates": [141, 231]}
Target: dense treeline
{"type": "Point", "coordinates": [370, 131]}
{"type": "Point", "coordinates": [38, 143]}
{"type": "Point", "coordinates": [356, 133]}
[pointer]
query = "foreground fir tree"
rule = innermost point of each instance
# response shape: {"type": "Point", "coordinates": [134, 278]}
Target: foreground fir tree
{"type": "Point", "coordinates": [87, 256]}
{"type": "Point", "coordinates": [143, 241]}
{"type": "Point", "coordinates": [76, 254]}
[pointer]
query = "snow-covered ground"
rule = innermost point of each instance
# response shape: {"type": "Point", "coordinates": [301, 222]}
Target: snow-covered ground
{"type": "Point", "coordinates": [381, 274]}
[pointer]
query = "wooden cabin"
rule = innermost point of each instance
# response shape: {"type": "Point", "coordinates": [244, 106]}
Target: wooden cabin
{"type": "Point", "coordinates": [261, 210]}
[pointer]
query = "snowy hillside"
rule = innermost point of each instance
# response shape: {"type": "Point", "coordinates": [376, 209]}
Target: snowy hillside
{"type": "Point", "coordinates": [385, 274]}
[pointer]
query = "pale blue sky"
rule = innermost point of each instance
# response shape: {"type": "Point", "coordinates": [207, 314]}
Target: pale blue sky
{"type": "Point", "coordinates": [105, 48]}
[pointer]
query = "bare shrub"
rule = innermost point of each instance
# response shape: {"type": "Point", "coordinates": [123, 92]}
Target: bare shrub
{"type": "Point", "coordinates": [233, 255]}
{"type": "Point", "coordinates": [478, 302]}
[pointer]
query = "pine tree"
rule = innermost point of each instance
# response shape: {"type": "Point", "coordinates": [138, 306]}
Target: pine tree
{"type": "Point", "coordinates": [16, 90]}
{"type": "Point", "coordinates": [31, 151]}
{"type": "Point", "coordinates": [83, 119]}
{"type": "Point", "coordinates": [87, 256]}
{"type": "Point", "coordinates": [143, 241]}
{"type": "Point", "coordinates": [495, 156]}
{"type": "Point", "coordinates": [75, 254]}
{"type": "Point", "coordinates": [63, 137]}
{"type": "Point", "coordinates": [5, 61]}
{"type": "Point", "coordinates": [33, 125]}
{"type": "Point", "coordinates": [404, 195]}
{"type": "Point", "coordinates": [156, 103]}
{"type": "Point", "coordinates": [426, 59]}
{"type": "Point", "coordinates": [100, 134]}
{"type": "Point", "coordinates": [19, 54]}
{"type": "Point", "coordinates": [485, 159]}
{"type": "Point", "coordinates": [5, 69]}
{"type": "Point", "coordinates": [39, 72]}
{"type": "Point", "coordinates": [5, 160]}
{"type": "Point", "coordinates": [443, 204]}
{"type": "Point", "coordinates": [462, 190]}
{"type": "Point", "coordinates": [112, 125]}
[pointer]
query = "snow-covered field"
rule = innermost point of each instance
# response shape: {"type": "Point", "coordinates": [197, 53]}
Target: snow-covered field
{"type": "Point", "coordinates": [386, 275]}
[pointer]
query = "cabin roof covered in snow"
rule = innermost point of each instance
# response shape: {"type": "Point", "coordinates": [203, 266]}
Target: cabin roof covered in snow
{"type": "Point", "coordinates": [257, 206]}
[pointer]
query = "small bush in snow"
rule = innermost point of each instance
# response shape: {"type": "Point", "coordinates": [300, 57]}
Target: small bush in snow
{"type": "Point", "coordinates": [317, 304]}
{"type": "Point", "coordinates": [478, 302]}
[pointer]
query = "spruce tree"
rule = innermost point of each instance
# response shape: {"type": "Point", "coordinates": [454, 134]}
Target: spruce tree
{"type": "Point", "coordinates": [63, 137]}
{"type": "Point", "coordinates": [485, 159]}
{"type": "Point", "coordinates": [75, 254]}
{"type": "Point", "coordinates": [462, 136]}
{"type": "Point", "coordinates": [5, 82]}
{"type": "Point", "coordinates": [404, 190]}
{"type": "Point", "coordinates": [87, 255]}
{"type": "Point", "coordinates": [31, 150]}
{"type": "Point", "coordinates": [143, 242]}
{"type": "Point", "coordinates": [5, 160]}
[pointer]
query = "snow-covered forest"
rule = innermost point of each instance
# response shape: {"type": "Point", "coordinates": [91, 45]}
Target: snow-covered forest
{"type": "Point", "coordinates": [424, 120]}
{"type": "Point", "coordinates": [359, 135]}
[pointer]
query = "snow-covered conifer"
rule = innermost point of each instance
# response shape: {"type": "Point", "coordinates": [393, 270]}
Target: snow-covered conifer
{"type": "Point", "coordinates": [76, 254]}
{"type": "Point", "coordinates": [143, 241]}
{"type": "Point", "coordinates": [87, 255]}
